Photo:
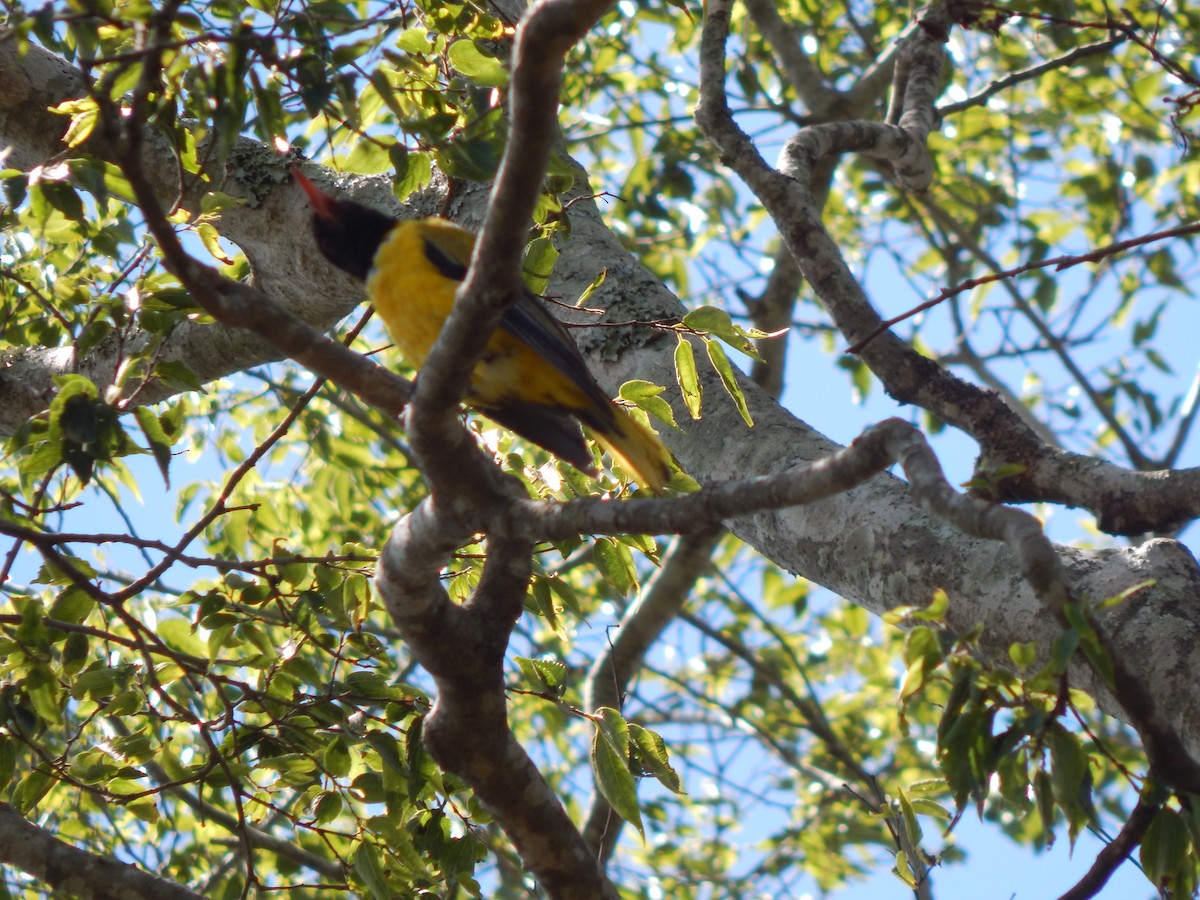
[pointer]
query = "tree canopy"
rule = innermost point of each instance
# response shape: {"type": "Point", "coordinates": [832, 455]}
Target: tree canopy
{"type": "Point", "coordinates": [278, 616]}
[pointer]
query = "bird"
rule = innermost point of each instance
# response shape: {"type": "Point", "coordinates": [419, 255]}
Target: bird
{"type": "Point", "coordinates": [531, 378]}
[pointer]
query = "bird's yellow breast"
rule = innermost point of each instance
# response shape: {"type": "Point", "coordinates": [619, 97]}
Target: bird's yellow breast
{"type": "Point", "coordinates": [411, 296]}
{"type": "Point", "coordinates": [414, 298]}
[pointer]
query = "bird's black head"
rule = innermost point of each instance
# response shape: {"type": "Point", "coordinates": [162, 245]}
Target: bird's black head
{"type": "Point", "coordinates": [347, 233]}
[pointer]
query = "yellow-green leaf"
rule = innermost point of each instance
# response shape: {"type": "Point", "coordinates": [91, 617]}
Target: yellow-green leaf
{"type": "Point", "coordinates": [720, 361]}
{"type": "Point", "coordinates": [470, 61]}
{"type": "Point", "coordinates": [610, 766]}
{"type": "Point", "coordinates": [685, 372]}
{"type": "Point", "coordinates": [646, 395]}
{"type": "Point", "coordinates": [212, 242]}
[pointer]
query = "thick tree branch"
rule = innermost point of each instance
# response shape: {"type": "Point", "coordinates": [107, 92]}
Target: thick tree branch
{"type": "Point", "coordinates": [270, 226]}
{"type": "Point", "coordinates": [467, 731]}
{"type": "Point", "coordinates": [892, 441]}
{"type": "Point", "coordinates": [789, 201]}
{"type": "Point", "coordinates": [1124, 502]}
{"type": "Point", "coordinates": [76, 872]}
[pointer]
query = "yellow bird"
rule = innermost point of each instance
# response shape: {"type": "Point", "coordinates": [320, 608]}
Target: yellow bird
{"type": "Point", "coordinates": [531, 378]}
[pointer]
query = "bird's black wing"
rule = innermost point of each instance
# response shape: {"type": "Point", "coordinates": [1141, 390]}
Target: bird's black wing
{"type": "Point", "coordinates": [532, 324]}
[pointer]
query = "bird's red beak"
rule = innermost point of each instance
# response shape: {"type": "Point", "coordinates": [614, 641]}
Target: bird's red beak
{"type": "Point", "coordinates": [322, 203]}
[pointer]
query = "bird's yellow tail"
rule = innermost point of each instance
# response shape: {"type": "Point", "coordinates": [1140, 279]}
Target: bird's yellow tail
{"type": "Point", "coordinates": [637, 450]}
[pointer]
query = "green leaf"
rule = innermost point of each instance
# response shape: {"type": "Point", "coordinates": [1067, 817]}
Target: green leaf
{"type": "Point", "coordinates": [1117, 599]}
{"type": "Point", "coordinates": [1164, 850]}
{"type": "Point", "coordinates": [962, 745]}
{"type": "Point", "coordinates": [927, 807]}
{"type": "Point", "coordinates": [860, 376]}
{"type": "Point", "coordinates": [610, 766]}
{"type": "Point", "coordinates": [720, 361]}
{"type": "Point", "coordinates": [370, 156]}
{"type": "Point", "coordinates": [160, 444]}
{"type": "Point", "coordinates": [72, 605]}
{"type": "Point", "coordinates": [711, 319]}
{"type": "Point", "coordinates": [270, 123]}
{"type": "Point", "coordinates": [32, 632]}
{"type": "Point", "coordinates": [8, 760]}
{"type": "Point", "coordinates": [212, 242]}
{"type": "Point", "coordinates": [369, 868]}
{"type": "Point", "coordinates": [75, 652]}
{"type": "Point", "coordinates": [651, 752]}
{"type": "Point", "coordinates": [45, 695]}
{"type": "Point", "coordinates": [565, 593]}
{"type": "Point", "coordinates": [591, 288]}
{"type": "Point", "coordinates": [646, 395]}
{"type": "Point", "coordinates": [413, 171]}
{"type": "Point", "coordinates": [471, 157]}
{"type": "Point", "coordinates": [388, 748]}
{"type": "Point", "coordinates": [1043, 792]}
{"type": "Point", "coordinates": [179, 634]}
{"type": "Point", "coordinates": [84, 113]}
{"type": "Point", "coordinates": [1089, 642]}
{"type": "Point", "coordinates": [544, 674]}
{"type": "Point", "coordinates": [144, 808]}
{"type": "Point", "coordinates": [685, 372]}
{"type": "Point", "coordinates": [414, 40]}
{"type": "Point", "coordinates": [356, 597]}
{"type": "Point", "coordinates": [936, 611]}
{"type": "Point", "coordinates": [1024, 654]}
{"type": "Point", "coordinates": [908, 815]}
{"type": "Point", "coordinates": [328, 806]}
{"type": "Point", "coordinates": [928, 786]}
{"type": "Point", "coordinates": [1071, 778]}
{"type": "Point", "coordinates": [336, 760]}
{"type": "Point", "coordinates": [1062, 650]}
{"type": "Point", "coordinates": [466, 57]}
{"type": "Point", "coordinates": [717, 322]}
{"type": "Point", "coordinates": [902, 870]}
{"type": "Point", "coordinates": [540, 257]}
{"type": "Point", "coordinates": [922, 654]}
{"type": "Point", "coordinates": [543, 602]}
{"type": "Point", "coordinates": [63, 197]}
{"type": "Point", "coordinates": [178, 376]}
{"type": "Point", "coordinates": [30, 790]}
{"type": "Point", "coordinates": [1046, 293]}
{"type": "Point", "coordinates": [615, 563]}
{"type": "Point", "coordinates": [216, 201]}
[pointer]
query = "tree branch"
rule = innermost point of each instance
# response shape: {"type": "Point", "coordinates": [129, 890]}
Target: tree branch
{"type": "Point", "coordinates": [1124, 502]}
{"type": "Point", "coordinates": [467, 731]}
{"type": "Point", "coordinates": [1037, 71]}
{"type": "Point", "coordinates": [77, 872]}
{"type": "Point", "coordinates": [661, 600]}
{"type": "Point", "coordinates": [544, 35]}
{"type": "Point", "coordinates": [789, 201]}
{"type": "Point", "coordinates": [1116, 852]}
{"type": "Point", "coordinates": [32, 81]}
{"type": "Point", "coordinates": [806, 79]}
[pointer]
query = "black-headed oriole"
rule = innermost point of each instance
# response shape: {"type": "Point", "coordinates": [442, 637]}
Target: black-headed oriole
{"type": "Point", "coordinates": [531, 378]}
